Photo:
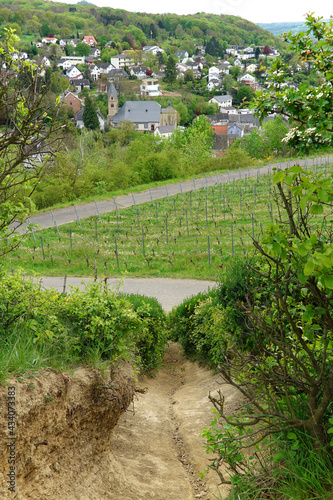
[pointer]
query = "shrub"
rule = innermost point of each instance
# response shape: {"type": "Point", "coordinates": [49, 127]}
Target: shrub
{"type": "Point", "coordinates": [152, 338]}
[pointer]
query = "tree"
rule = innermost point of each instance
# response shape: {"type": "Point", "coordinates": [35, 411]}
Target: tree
{"type": "Point", "coordinates": [82, 49]}
{"type": "Point", "coordinates": [282, 362]}
{"type": "Point", "coordinates": [90, 119]}
{"type": "Point", "coordinates": [309, 110]}
{"type": "Point", "coordinates": [27, 139]}
{"type": "Point", "coordinates": [286, 305]}
{"type": "Point", "coordinates": [244, 96]}
{"type": "Point", "coordinates": [171, 71]}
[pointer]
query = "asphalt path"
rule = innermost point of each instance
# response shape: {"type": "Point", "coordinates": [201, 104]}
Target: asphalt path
{"type": "Point", "coordinates": [170, 292]}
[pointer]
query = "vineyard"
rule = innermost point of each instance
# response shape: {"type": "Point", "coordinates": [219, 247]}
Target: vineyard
{"type": "Point", "coordinates": [189, 235]}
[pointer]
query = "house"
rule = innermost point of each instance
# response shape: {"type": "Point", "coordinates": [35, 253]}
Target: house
{"type": "Point", "coordinates": [238, 63]}
{"type": "Point", "coordinates": [213, 72]}
{"type": "Point", "coordinates": [46, 63]}
{"type": "Point", "coordinates": [49, 40]}
{"type": "Point", "coordinates": [139, 71]}
{"type": "Point", "coordinates": [94, 52]}
{"type": "Point", "coordinates": [79, 84]}
{"type": "Point", "coordinates": [66, 62]}
{"type": "Point", "coordinates": [104, 68]}
{"type": "Point", "coordinates": [182, 55]}
{"type": "Point", "coordinates": [90, 40]}
{"type": "Point", "coordinates": [120, 60]}
{"type": "Point", "coordinates": [62, 63]}
{"type": "Point", "coordinates": [73, 72]}
{"type": "Point", "coordinates": [117, 75]}
{"type": "Point", "coordinates": [94, 71]}
{"type": "Point", "coordinates": [251, 68]}
{"type": "Point", "coordinates": [153, 49]}
{"type": "Point", "coordinates": [222, 100]}
{"type": "Point", "coordinates": [213, 83]}
{"type": "Point", "coordinates": [164, 130]}
{"type": "Point", "coordinates": [248, 79]}
{"type": "Point", "coordinates": [219, 123]}
{"type": "Point", "coordinates": [236, 129]}
{"type": "Point", "coordinates": [101, 119]}
{"type": "Point", "coordinates": [71, 100]}
{"type": "Point", "coordinates": [78, 119]}
{"type": "Point", "coordinates": [150, 87]}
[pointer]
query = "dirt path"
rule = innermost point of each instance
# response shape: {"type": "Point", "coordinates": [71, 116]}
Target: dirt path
{"type": "Point", "coordinates": [157, 452]}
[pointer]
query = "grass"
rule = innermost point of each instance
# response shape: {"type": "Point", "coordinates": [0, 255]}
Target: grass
{"type": "Point", "coordinates": [193, 235]}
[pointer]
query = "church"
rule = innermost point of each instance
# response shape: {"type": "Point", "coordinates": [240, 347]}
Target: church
{"type": "Point", "coordinates": [146, 115]}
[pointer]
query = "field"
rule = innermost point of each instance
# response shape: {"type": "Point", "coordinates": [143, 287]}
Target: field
{"type": "Point", "coordinates": [190, 235]}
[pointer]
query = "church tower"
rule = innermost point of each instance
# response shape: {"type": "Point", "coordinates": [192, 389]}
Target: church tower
{"type": "Point", "coordinates": [112, 102]}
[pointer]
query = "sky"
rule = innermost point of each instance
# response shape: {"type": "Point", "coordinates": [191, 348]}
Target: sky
{"type": "Point", "coordinates": [257, 11]}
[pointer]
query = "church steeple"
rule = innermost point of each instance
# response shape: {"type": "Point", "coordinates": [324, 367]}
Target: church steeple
{"type": "Point", "coordinates": [112, 102]}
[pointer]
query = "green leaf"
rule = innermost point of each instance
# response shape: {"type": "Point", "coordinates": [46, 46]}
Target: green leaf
{"type": "Point", "coordinates": [309, 267]}
{"type": "Point", "coordinates": [317, 209]}
{"type": "Point", "coordinates": [328, 280]}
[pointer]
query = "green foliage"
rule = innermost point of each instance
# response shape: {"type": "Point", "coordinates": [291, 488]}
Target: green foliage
{"type": "Point", "coordinates": [41, 327]}
{"type": "Point", "coordinates": [187, 327]}
{"type": "Point", "coordinates": [286, 377]}
{"type": "Point", "coordinates": [90, 119]}
{"type": "Point", "coordinates": [24, 148]}
{"type": "Point", "coordinates": [308, 108]}
{"type": "Point", "coordinates": [152, 339]}
{"type": "Point", "coordinates": [268, 141]}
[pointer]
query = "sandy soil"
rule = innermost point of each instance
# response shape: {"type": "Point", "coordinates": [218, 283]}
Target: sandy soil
{"type": "Point", "coordinates": [70, 446]}
{"type": "Point", "coordinates": [157, 452]}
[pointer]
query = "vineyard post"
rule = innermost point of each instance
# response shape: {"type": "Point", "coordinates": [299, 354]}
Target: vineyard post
{"type": "Point", "coordinates": [78, 218]}
{"type": "Point", "coordinates": [99, 216]}
{"type": "Point", "coordinates": [151, 197]}
{"type": "Point", "coordinates": [41, 242]}
{"type": "Point", "coordinates": [55, 224]}
{"type": "Point", "coordinates": [116, 251]}
{"type": "Point", "coordinates": [143, 243]}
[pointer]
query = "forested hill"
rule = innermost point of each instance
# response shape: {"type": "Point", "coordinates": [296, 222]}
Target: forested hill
{"type": "Point", "coordinates": [278, 28]}
{"type": "Point", "coordinates": [37, 18]}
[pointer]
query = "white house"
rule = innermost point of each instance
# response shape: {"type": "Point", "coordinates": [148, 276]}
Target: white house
{"type": "Point", "coordinates": [73, 72]}
{"type": "Point", "coordinates": [247, 79]}
{"type": "Point", "coordinates": [150, 87]}
{"type": "Point", "coordinates": [222, 101]}
{"type": "Point", "coordinates": [49, 40]}
{"type": "Point", "coordinates": [120, 60]}
{"type": "Point", "coordinates": [154, 49]}
{"type": "Point", "coordinates": [94, 71]}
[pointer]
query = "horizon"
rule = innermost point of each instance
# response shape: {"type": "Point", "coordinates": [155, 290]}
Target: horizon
{"type": "Point", "coordinates": [254, 11]}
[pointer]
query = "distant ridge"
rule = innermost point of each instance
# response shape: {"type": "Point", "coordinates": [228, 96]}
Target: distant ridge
{"type": "Point", "coordinates": [84, 2]}
{"type": "Point", "coordinates": [278, 28]}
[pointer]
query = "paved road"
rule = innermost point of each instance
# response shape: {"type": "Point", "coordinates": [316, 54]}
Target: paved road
{"type": "Point", "coordinates": [70, 214]}
{"type": "Point", "coordinates": [169, 292]}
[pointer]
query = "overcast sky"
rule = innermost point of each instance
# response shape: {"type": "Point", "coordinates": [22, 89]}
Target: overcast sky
{"type": "Point", "coordinates": [257, 11]}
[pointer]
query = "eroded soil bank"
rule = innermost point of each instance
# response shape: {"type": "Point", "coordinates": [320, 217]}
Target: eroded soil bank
{"type": "Point", "coordinates": [67, 450]}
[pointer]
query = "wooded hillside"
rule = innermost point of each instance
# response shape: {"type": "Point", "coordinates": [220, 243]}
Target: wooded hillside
{"type": "Point", "coordinates": [40, 19]}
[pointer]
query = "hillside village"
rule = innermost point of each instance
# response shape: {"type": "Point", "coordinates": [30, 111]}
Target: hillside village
{"type": "Point", "coordinates": [86, 72]}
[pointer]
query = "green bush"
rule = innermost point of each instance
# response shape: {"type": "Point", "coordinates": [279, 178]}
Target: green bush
{"type": "Point", "coordinates": [152, 338]}
{"type": "Point", "coordinates": [83, 326]}
{"type": "Point", "coordinates": [200, 325]}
